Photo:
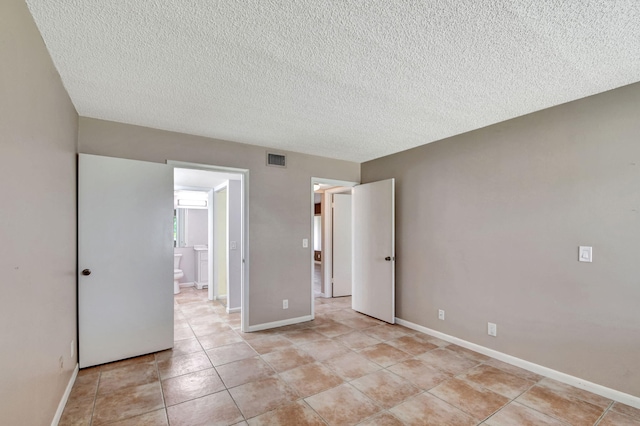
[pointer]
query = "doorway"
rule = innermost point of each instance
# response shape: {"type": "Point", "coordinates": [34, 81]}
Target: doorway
{"type": "Point", "coordinates": [226, 249]}
{"type": "Point", "coordinates": [323, 274]}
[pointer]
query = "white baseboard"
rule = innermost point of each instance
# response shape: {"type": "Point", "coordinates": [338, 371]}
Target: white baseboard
{"type": "Point", "coordinates": [604, 391]}
{"type": "Point", "coordinates": [65, 397]}
{"type": "Point", "coordinates": [232, 310]}
{"type": "Point", "coordinates": [191, 284]}
{"type": "Point", "coordinates": [282, 323]}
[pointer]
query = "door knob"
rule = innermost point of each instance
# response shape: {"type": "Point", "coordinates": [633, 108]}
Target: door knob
{"type": "Point", "coordinates": [388, 258]}
{"type": "Point", "coordinates": [86, 272]}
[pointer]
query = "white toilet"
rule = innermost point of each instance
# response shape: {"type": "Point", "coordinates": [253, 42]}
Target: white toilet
{"type": "Point", "coordinates": [177, 272]}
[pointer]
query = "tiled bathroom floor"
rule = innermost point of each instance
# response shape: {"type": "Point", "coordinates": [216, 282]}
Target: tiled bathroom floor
{"type": "Point", "coordinates": [342, 368]}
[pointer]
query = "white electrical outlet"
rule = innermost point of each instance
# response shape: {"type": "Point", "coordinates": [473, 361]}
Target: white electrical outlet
{"type": "Point", "coordinates": [440, 314]}
{"type": "Point", "coordinates": [305, 242]}
{"type": "Point", "coordinates": [73, 348]}
{"type": "Point", "coordinates": [285, 304]}
{"type": "Point", "coordinates": [492, 329]}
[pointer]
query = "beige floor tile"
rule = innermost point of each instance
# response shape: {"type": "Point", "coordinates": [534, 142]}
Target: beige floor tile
{"type": "Point", "coordinates": [244, 371]}
{"type": "Point", "coordinates": [560, 406]}
{"type": "Point", "coordinates": [360, 322]}
{"type": "Point", "coordinates": [229, 353]}
{"type": "Point", "coordinates": [518, 414]}
{"type": "Point", "coordinates": [438, 342]}
{"type": "Point", "coordinates": [467, 353]}
{"type": "Point", "coordinates": [385, 388]}
{"type": "Point", "coordinates": [497, 380]}
{"type": "Point", "coordinates": [302, 336]}
{"type": "Point", "coordinates": [215, 409]}
{"type": "Point", "coordinates": [420, 373]}
{"type": "Point", "coordinates": [325, 349]}
{"type": "Point", "coordinates": [78, 411]}
{"type": "Point", "coordinates": [384, 354]}
{"type": "Point", "coordinates": [182, 333]}
{"type": "Point", "coordinates": [287, 359]}
{"type": "Point", "coordinates": [191, 386]}
{"type": "Point", "coordinates": [356, 340]}
{"type": "Point", "coordinates": [447, 361]}
{"type": "Point", "coordinates": [270, 344]}
{"type": "Point", "coordinates": [333, 329]}
{"type": "Point", "coordinates": [351, 365]}
{"type": "Point", "coordinates": [126, 362]}
{"type": "Point", "coordinates": [183, 364]}
{"type": "Point", "coordinates": [311, 379]}
{"type": "Point", "coordinates": [264, 395]}
{"type": "Point", "coordinates": [154, 418]}
{"type": "Point", "coordinates": [427, 410]}
{"type": "Point", "coordinates": [575, 393]}
{"type": "Point", "coordinates": [413, 345]}
{"type": "Point", "coordinates": [343, 405]}
{"type": "Point", "coordinates": [85, 387]}
{"type": "Point", "coordinates": [127, 402]}
{"type": "Point", "coordinates": [382, 419]}
{"type": "Point", "coordinates": [89, 371]}
{"type": "Point", "coordinates": [512, 369]}
{"type": "Point", "coordinates": [222, 338]}
{"type": "Point", "coordinates": [626, 410]}
{"type": "Point", "coordinates": [613, 418]}
{"type": "Point", "coordinates": [184, 347]}
{"type": "Point", "coordinates": [209, 329]}
{"type": "Point", "coordinates": [129, 375]}
{"type": "Point", "coordinates": [297, 413]}
{"type": "Point", "coordinates": [385, 332]}
{"type": "Point", "coordinates": [478, 402]}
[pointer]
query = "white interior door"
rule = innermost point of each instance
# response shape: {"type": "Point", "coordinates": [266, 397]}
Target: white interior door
{"type": "Point", "coordinates": [342, 237]}
{"type": "Point", "coordinates": [374, 250]}
{"type": "Point", "coordinates": [125, 240]}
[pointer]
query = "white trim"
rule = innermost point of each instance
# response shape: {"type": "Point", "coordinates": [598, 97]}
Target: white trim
{"type": "Point", "coordinates": [604, 391]}
{"type": "Point", "coordinates": [233, 310]}
{"type": "Point", "coordinates": [187, 284]}
{"type": "Point", "coordinates": [281, 323]}
{"type": "Point", "coordinates": [65, 397]}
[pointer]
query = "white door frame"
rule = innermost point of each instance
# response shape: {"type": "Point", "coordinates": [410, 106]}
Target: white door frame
{"type": "Point", "coordinates": [326, 232]}
{"type": "Point", "coordinates": [214, 294]}
{"type": "Point", "coordinates": [244, 185]}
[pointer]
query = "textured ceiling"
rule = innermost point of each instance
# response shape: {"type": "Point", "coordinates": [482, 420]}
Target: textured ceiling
{"type": "Point", "coordinates": [354, 80]}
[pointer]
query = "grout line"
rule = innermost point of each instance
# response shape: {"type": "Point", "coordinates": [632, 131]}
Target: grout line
{"type": "Point", "coordinates": [604, 413]}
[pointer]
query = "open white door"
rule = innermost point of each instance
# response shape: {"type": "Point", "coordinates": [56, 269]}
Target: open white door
{"type": "Point", "coordinates": [342, 238]}
{"type": "Point", "coordinates": [374, 249]}
{"type": "Point", "coordinates": [125, 258]}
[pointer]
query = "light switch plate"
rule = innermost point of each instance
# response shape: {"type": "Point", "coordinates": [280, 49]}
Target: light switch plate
{"type": "Point", "coordinates": [585, 254]}
{"type": "Point", "coordinates": [233, 245]}
{"type": "Point", "coordinates": [305, 243]}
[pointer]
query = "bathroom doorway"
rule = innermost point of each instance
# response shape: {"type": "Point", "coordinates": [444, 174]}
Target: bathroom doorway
{"type": "Point", "coordinates": [216, 261]}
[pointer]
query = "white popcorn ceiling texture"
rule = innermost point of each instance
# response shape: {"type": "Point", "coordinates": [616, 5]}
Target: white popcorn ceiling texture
{"type": "Point", "coordinates": [354, 80]}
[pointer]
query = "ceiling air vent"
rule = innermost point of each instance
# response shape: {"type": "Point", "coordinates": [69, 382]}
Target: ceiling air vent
{"type": "Point", "coordinates": [278, 160]}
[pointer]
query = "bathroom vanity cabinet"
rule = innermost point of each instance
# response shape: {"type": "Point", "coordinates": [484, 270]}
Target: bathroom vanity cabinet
{"type": "Point", "coordinates": [201, 267]}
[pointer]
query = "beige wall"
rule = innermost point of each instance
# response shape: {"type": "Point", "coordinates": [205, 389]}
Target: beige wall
{"type": "Point", "coordinates": [38, 133]}
{"type": "Point", "coordinates": [488, 229]}
{"type": "Point", "coordinates": [279, 204]}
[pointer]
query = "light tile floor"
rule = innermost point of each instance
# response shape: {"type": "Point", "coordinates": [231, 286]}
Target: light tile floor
{"type": "Point", "coordinates": [342, 368]}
